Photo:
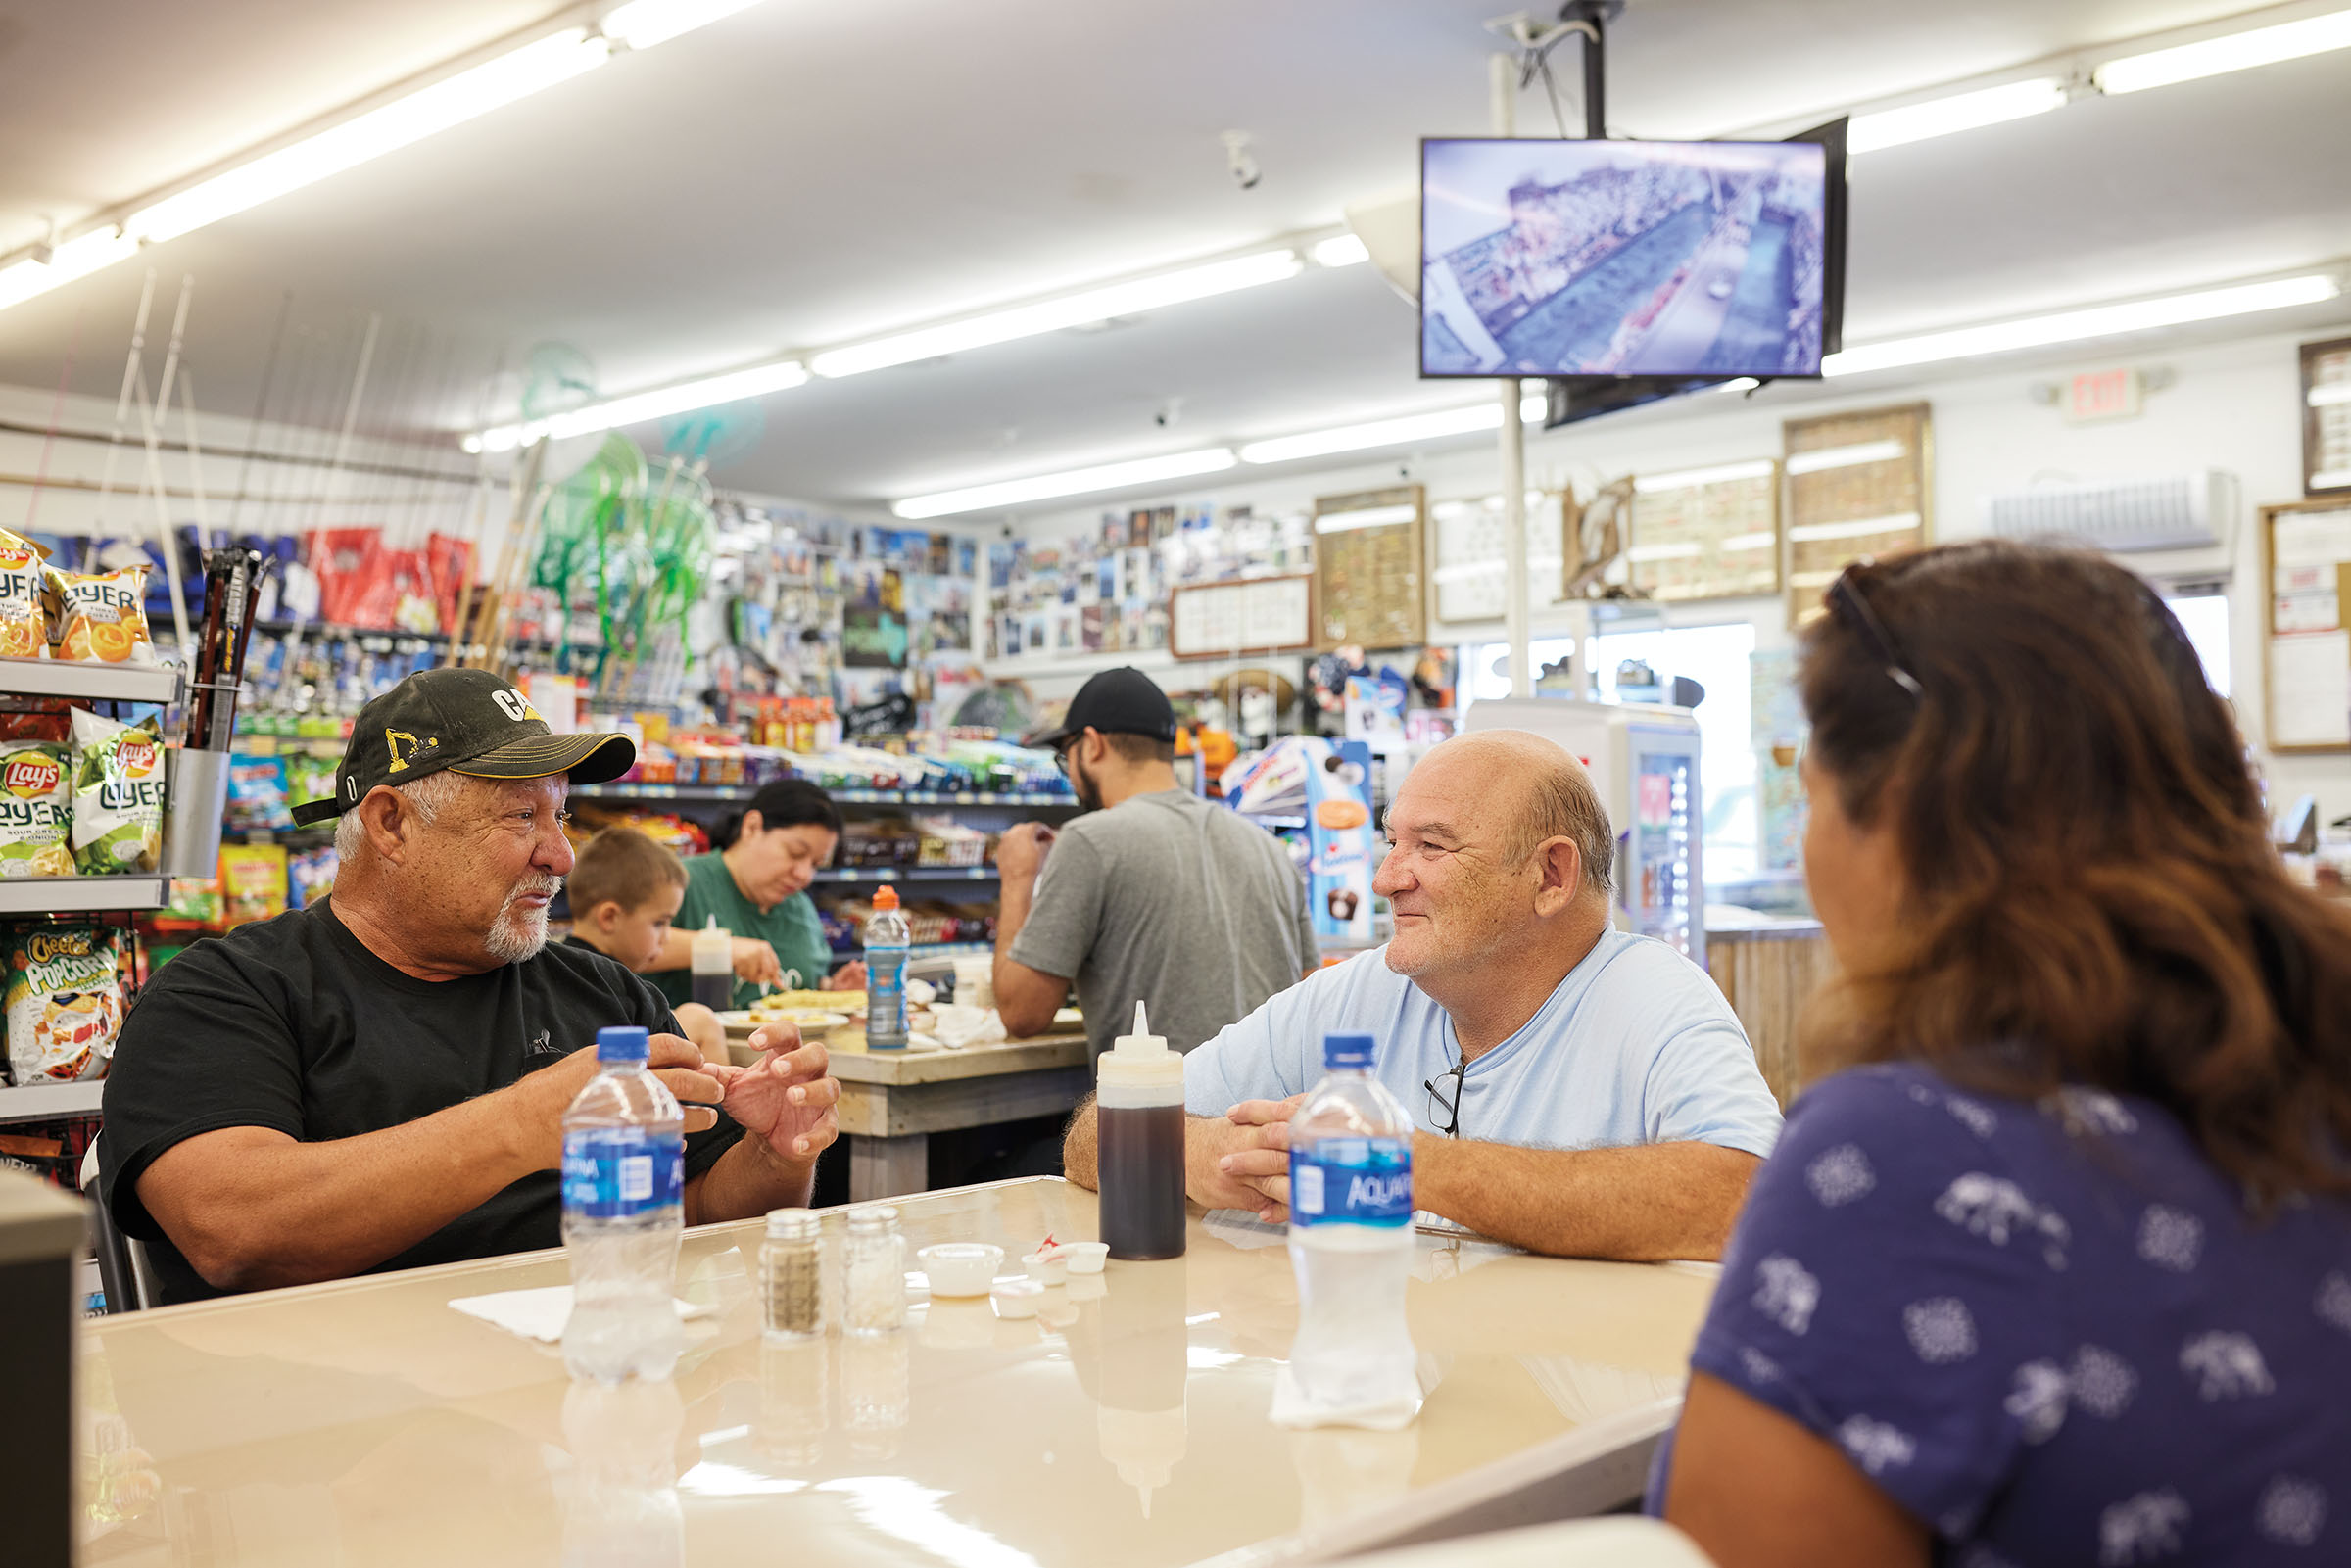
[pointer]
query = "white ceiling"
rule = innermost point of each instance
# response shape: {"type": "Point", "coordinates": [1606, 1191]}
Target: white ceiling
{"type": "Point", "coordinates": [806, 172]}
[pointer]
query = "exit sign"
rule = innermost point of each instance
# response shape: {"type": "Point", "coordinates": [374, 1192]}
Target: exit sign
{"type": "Point", "coordinates": [2102, 394]}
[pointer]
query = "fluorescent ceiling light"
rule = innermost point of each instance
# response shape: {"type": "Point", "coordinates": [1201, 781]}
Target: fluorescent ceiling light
{"type": "Point", "coordinates": [1075, 482]}
{"type": "Point", "coordinates": [1898, 522]}
{"type": "Point", "coordinates": [452, 101]}
{"type": "Point", "coordinates": [1364, 517]}
{"type": "Point", "coordinates": [2237, 51]}
{"type": "Point", "coordinates": [2334, 392]}
{"type": "Point", "coordinates": [1941, 117]}
{"type": "Point", "coordinates": [1691, 478]}
{"type": "Point", "coordinates": [2330, 479]}
{"type": "Point", "coordinates": [1340, 249]}
{"type": "Point", "coordinates": [76, 258]}
{"type": "Point", "coordinates": [1688, 549]}
{"type": "Point", "coordinates": [642, 23]}
{"type": "Point", "coordinates": [1761, 538]}
{"type": "Point", "coordinates": [1389, 432]}
{"type": "Point", "coordinates": [638, 408]}
{"type": "Point", "coordinates": [1852, 456]}
{"type": "Point", "coordinates": [1082, 309]}
{"type": "Point", "coordinates": [2068, 327]}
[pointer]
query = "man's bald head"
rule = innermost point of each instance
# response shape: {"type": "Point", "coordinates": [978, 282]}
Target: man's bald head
{"type": "Point", "coordinates": [1549, 793]}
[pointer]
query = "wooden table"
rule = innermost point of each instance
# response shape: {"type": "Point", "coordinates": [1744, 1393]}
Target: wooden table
{"type": "Point", "coordinates": [892, 1101]}
{"type": "Point", "coordinates": [365, 1424]}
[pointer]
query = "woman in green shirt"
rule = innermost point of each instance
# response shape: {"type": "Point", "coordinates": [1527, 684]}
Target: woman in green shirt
{"type": "Point", "coordinates": [756, 887]}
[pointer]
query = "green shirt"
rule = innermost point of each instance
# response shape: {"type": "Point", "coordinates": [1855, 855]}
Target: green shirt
{"type": "Point", "coordinates": [792, 929]}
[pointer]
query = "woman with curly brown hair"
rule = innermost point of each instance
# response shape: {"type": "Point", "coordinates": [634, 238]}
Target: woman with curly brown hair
{"type": "Point", "coordinates": [2058, 1269]}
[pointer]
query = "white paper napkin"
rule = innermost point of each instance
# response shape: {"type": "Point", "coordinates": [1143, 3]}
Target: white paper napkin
{"type": "Point", "coordinates": [540, 1314]}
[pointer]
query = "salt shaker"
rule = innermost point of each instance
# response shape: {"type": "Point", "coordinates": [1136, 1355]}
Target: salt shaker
{"type": "Point", "coordinates": [791, 1274]}
{"type": "Point", "coordinates": [877, 1272]}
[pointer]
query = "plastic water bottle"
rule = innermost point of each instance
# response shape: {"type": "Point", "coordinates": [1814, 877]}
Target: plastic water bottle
{"type": "Point", "coordinates": [1351, 1244]}
{"type": "Point", "coordinates": [624, 1159]}
{"type": "Point", "coordinates": [887, 940]}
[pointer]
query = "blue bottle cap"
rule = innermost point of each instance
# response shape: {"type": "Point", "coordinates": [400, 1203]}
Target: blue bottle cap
{"type": "Point", "coordinates": [623, 1044]}
{"type": "Point", "coordinates": [1348, 1050]}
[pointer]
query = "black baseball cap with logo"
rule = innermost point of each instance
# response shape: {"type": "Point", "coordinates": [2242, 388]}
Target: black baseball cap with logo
{"type": "Point", "coordinates": [463, 721]}
{"type": "Point", "coordinates": [1120, 701]}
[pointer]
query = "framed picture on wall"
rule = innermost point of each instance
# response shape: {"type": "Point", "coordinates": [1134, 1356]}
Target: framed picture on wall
{"type": "Point", "coordinates": [2327, 418]}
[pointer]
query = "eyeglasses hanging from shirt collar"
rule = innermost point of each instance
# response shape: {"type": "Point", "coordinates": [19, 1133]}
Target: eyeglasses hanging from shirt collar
{"type": "Point", "coordinates": [1451, 1105]}
{"type": "Point", "coordinates": [1845, 595]}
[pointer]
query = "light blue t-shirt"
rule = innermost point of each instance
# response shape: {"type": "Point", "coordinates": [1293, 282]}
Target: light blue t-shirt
{"type": "Point", "coordinates": [1635, 1046]}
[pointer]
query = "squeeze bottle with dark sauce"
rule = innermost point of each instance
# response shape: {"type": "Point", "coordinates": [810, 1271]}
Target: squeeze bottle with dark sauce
{"type": "Point", "coordinates": [1139, 1104]}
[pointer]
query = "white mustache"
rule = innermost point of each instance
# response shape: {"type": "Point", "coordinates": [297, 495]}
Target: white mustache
{"type": "Point", "coordinates": [548, 886]}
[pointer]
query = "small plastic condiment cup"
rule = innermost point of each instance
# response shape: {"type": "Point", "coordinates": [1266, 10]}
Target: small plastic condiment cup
{"type": "Point", "coordinates": [1017, 1298]}
{"type": "Point", "coordinates": [1047, 1268]}
{"type": "Point", "coordinates": [961, 1267]}
{"type": "Point", "coordinates": [1083, 1257]}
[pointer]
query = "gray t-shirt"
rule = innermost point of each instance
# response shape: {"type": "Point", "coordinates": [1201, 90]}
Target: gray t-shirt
{"type": "Point", "coordinates": [1172, 899]}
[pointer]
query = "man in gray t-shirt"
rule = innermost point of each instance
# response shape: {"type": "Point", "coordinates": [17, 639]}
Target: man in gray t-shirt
{"type": "Point", "coordinates": [1154, 894]}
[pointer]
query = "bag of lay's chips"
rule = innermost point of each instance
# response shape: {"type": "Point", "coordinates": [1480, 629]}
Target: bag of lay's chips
{"type": "Point", "coordinates": [64, 1002]}
{"type": "Point", "coordinates": [23, 620]}
{"type": "Point", "coordinates": [118, 795]}
{"type": "Point", "coordinates": [36, 809]}
{"type": "Point", "coordinates": [101, 616]}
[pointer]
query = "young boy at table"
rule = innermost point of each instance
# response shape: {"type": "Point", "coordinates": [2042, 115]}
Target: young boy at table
{"type": "Point", "coordinates": [625, 891]}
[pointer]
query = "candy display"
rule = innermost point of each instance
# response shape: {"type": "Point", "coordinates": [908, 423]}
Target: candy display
{"type": "Point", "coordinates": [252, 882]}
{"type": "Point", "coordinates": [64, 1003]}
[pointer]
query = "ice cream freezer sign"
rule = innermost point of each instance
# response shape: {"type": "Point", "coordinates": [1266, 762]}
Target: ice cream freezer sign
{"type": "Point", "coordinates": [1342, 848]}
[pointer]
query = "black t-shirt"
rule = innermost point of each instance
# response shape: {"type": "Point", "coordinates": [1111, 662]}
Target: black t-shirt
{"type": "Point", "coordinates": [292, 1024]}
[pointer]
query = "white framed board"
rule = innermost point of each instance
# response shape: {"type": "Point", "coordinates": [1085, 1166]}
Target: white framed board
{"type": "Point", "coordinates": [2306, 637]}
{"type": "Point", "coordinates": [1254, 615]}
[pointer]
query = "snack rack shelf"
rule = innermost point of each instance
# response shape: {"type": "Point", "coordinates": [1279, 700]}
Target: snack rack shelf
{"type": "Point", "coordinates": [49, 1101]}
{"type": "Point", "coordinates": [78, 895]}
{"type": "Point", "coordinates": [86, 682]}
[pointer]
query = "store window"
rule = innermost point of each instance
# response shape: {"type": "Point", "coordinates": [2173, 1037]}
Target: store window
{"type": "Point", "coordinates": [1716, 658]}
{"type": "Point", "coordinates": [2204, 616]}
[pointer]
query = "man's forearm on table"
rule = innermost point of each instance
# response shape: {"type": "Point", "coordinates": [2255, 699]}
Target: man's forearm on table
{"type": "Point", "coordinates": [750, 1178]}
{"type": "Point", "coordinates": [1644, 1204]}
{"type": "Point", "coordinates": [294, 1214]}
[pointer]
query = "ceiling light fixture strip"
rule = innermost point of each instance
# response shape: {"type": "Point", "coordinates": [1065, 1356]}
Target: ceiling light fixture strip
{"type": "Point", "coordinates": [2065, 326]}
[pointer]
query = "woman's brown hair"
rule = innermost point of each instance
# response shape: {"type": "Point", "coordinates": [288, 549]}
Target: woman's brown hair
{"type": "Point", "coordinates": [2090, 895]}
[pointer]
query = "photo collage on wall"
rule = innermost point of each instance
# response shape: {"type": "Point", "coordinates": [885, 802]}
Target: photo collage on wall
{"type": "Point", "coordinates": [1106, 592]}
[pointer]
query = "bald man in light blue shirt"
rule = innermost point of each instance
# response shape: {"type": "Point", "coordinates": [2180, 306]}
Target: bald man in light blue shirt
{"type": "Point", "coordinates": [1578, 1091]}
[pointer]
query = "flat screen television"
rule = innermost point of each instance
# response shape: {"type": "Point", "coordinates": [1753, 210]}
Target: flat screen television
{"type": "Point", "coordinates": [1678, 260]}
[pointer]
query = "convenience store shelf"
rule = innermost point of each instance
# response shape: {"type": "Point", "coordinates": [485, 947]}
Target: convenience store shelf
{"type": "Point", "coordinates": [43, 1102]}
{"type": "Point", "coordinates": [909, 874]}
{"type": "Point", "coordinates": [82, 896]}
{"type": "Point", "coordinates": [87, 682]}
{"type": "Point", "coordinates": [921, 950]}
{"type": "Point", "coordinates": [862, 797]}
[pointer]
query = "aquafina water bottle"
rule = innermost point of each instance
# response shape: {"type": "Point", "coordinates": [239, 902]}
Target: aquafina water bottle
{"type": "Point", "coordinates": [624, 1159]}
{"type": "Point", "coordinates": [1351, 1243]}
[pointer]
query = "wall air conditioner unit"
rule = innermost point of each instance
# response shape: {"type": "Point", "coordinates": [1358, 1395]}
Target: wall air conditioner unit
{"type": "Point", "coordinates": [2186, 512]}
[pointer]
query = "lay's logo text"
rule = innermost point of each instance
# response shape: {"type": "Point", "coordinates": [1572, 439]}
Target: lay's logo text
{"type": "Point", "coordinates": [30, 777]}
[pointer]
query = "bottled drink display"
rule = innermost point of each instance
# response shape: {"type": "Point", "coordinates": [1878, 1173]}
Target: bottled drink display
{"type": "Point", "coordinates": [1351, 1243]}
{"type": "Point", "coordinates": [1139, 1105]}
{"type": "Point", "coordinates": [887, 940]}
{"type": "Point", "coordinates": [624, 1159]}
{"type": "Point", "coordinates": [713, 964]}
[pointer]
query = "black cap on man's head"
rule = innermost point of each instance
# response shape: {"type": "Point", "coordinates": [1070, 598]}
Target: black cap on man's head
{"type": "Point", "coordinates": [1120, 701]}
{"type": "Point", "coordinates": [464, 721]}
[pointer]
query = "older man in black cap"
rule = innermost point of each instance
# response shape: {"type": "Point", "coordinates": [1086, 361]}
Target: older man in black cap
{"type": "Point", "coordinates": [1155, 894]}
{"type": "Point", "coordinates": [378, 1082]}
